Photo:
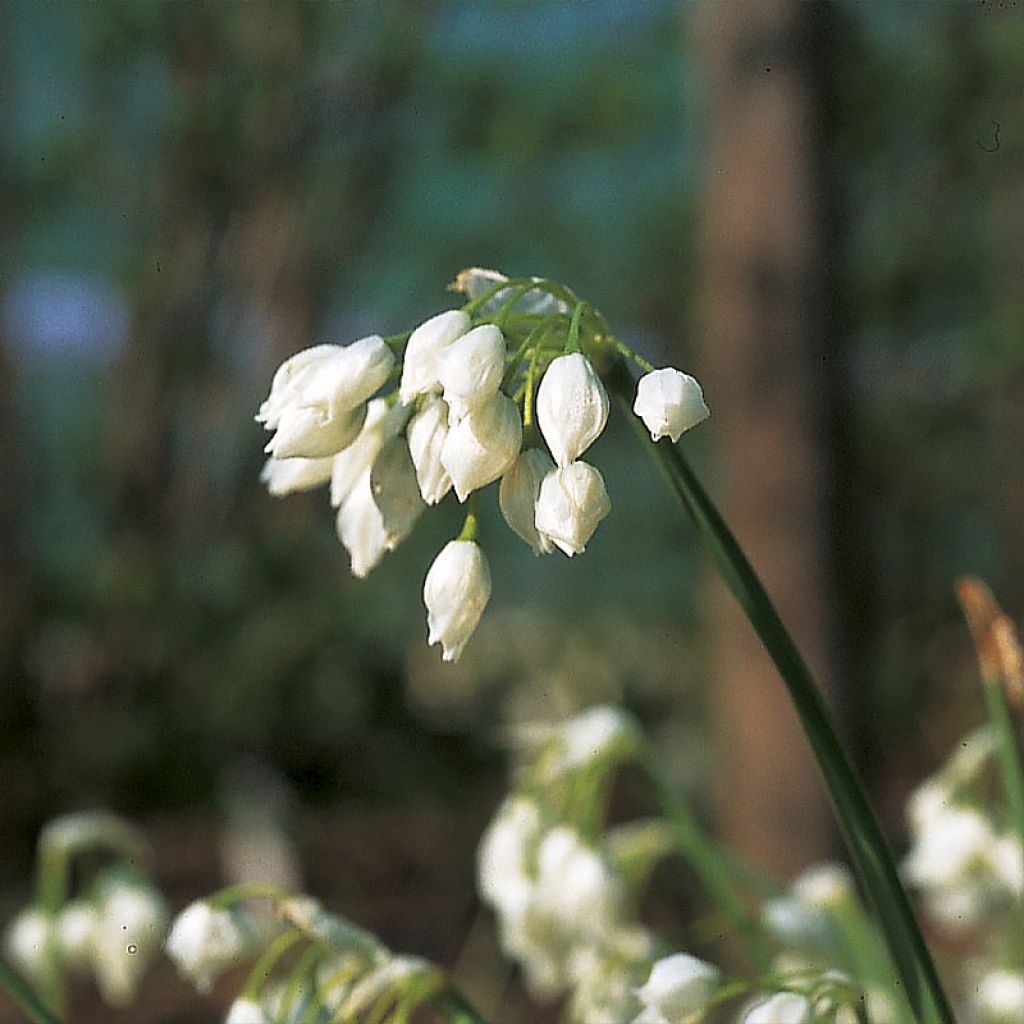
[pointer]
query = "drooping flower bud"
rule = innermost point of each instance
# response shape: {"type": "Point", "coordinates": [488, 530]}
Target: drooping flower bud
{"type": "Point", "coordinates": [572, 502]}
{"type": "Point", "coordinates": [781, 1008]}
{"type": "Point", "coordinates": [572, 407]}
{"type": "Point", "coordinates": [679, 986]}
{"type": "Point", "coordinates": [289, 476]}
{"type": "Point", "coordinates": [420, 369]}
{"type": "Point", "coordinates": [383, 422]}
{"type": "Point", "coordinates": [205, 941]}
{"type": "Point", "coordinates": [315, 393]}
{"type": "Point", "coordinates": [669, 402]}
{"type": "Point", "coordinates": [517, 496]}
{"type": "Point", "coordinates": [456, 591]}
{"type": "Point", "coordinates": [482, 445]}
{"type": "Point", "coordinates": [471, 368]}
{"type": "Point", "coordinates": [426, 432]}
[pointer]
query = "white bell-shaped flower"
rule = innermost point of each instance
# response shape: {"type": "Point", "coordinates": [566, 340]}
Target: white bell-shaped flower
{"type": "Point", "coordinates": [28, 941]}
{"type": "Point", "coordinates": [828, 885]}
{"type": "Point", "coordinates": [426, 433]}
{"type": "Point", "coordinates": [289, 476]}
{"type": "Point", "coordinates": [420, 368]}
{"type": "Point", "coordinates": [383, 422]}
{"type": "Point", "coordinates": [205, 941]}
{"type": "Point", "coordinates": [482, 445]}
{"type": "Point", "coordinates": [781, 1008]}
{"type": "Point", "coordinates": [132, 922]}
{"type": "Point", "coordinates": [471, 369]}
{"type": "Point", "coordinates": [517, 496]}
{"type": "Point", "coordinates": [572, 502]}
{"type": "Point", "coordinates": [315, 394]}
{"type": "Point", "coordinates": [76, 924]}
{"type": "Point", "coordinates": [245, 1011]}
{"type": "Point", "coordinates": [669, 402]}
{"type": "Point", "coordinates": [360, 528]}
{"type": "Point", "coordinates": [503, 855]}
{"type": "Point", "coordinates": [998, 997]}
{"type": "Point", "coordinates": [572, 407]}
{"type": "Point", "coordinates": [456, 591]}
{"type": "Point", "coordinates": [679, 986]}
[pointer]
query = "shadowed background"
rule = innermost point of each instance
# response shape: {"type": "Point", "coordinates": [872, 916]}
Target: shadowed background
{"type": "Point", "coordinates": [815, 210]}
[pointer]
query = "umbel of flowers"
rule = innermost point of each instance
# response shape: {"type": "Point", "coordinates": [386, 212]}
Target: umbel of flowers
{"type": "Point", "coordinates": [508, 388]}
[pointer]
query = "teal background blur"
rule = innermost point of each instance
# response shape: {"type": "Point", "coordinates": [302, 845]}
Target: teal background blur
{"type": "Point", "coordinates": [190, 193]}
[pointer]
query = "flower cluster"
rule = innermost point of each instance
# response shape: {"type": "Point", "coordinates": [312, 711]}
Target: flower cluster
{"type": "Point", "coordinates": [507, 389]}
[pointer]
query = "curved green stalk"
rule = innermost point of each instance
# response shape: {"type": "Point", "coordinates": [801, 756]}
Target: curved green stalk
{"type": "Point", "coordinates": [860, 828]}
{"type": "Point", "coordinates": [25, 998]}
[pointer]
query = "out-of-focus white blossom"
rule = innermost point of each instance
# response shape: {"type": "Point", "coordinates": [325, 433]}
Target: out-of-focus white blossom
{"type": "Point", "coordinates": [288, 476]}
{"type": "Point", "coordinates": [130, 928]}
{"type": "Point", "coordinates": [28, 939]}
{"type": "Point", "coordinates": [426, 433]}
{"type": "Point", "coordinates": [781, 1008]}
{"type": "Point", "coordinates": [76, 924]}
{"type": "Point", "coordinates": [571, 503]}
{"type": "Point", "coordinates": [245, 1011]}
{"type": "Point", "coordinates": [205, 941]}
{"type": "Point", "coordinates": [593, 734]}
{"type": "Point", "coordinates": [503, 855]}
{"type": "Point", "coordinates": [426, 345]}
{"type": "Point", "coordinates": [517, 496]}
{"type": "Point", "coordinates": [475, 281]}
{"type": "Point", "coordinates": [826, 885]}
{"type": "Point", "coordinates": [572, 407]}
{"type": "Point", "coordinates": [679, 986]}
{"type": "Point", "coordinates": [471, 369]}
{"type": "Point", "coordinates": [482, 445]}
{"type": "Point", "coordinates": [383, 422]}
{"type": "Point", "coordinates": [317, 397]}
{"type": "Point", "coordinates": [998, 998]}
{"type": "Point", "coordinates": [669, 402]}
{"type": "Point", "coordinates": [797, 923]}
{"type": "Point", "coordinates": [456, 591]}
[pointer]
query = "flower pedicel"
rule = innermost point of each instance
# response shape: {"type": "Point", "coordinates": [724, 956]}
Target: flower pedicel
{"type": "Point", "coordinates": [470, 397]}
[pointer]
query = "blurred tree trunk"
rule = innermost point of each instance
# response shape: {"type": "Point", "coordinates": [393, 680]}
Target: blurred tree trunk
{"type": "Point", "coordinates": [764, 371]}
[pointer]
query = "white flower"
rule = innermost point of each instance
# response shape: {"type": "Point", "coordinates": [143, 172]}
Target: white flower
{"type": "Point", "coordinates": [999, 998]}
{"type": "Point", "coordinates": [471, 368]}
{"type": "Point", "coordinates": [316, 396]}
{"type": "Point", "coordinates": [383, 422]}
{"type": "Point", "coordinates": [245, 1011]}
{"type": "Point", "coordinates": [420, 370]}
{"type": "Point", "coordinates": [517, 496]}
{"type": "Point", "coordinates": [781, 1008]}
{"type": "Point", "coordinates": [205, 941]}
{"type": "Point", "coordinates": [132, 922]}
{"type": "Point", "coordinates": [795, 922]}
{"type": "Point", "coordinates": [572, 502]}
{"type": "Point", "coordinates": [502, 857]}
{"type": "Point", "coordinates": [482, 445]}
{"type": "Point", "coordinates": [572, 407]}
{"type": "Point", "coordinates": [288, 476]}
{"type": "Point", "coordinates": [360, 528]}
{"type": "Point", "coordinates": [1007, 863]}
{"type": "Point", "coordinates": [679, 985]}
{"type": "Point", "coordinates": [669, 402]}
{"type": "Point", "coordinates": [456, 591]}
{"type": "Point", "coordinates": [594, 733]}
{"type": "Point", "coordinates": [946, 850]}
{"type": "Point", "coordinates": [426, 432]}
{"type": "Point", "coordinates": [825, 885]}
{"type": "Point", "coordinates": [75, 926]}
{"type": "Point", "coordinates": [27, 941]}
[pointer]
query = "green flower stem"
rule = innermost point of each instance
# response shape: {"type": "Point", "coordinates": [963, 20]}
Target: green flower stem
{"type": "Point", "coordinates": [863, 836]}
{"type": "Point", "coordinates": [711, 866]}
{"type": "Point", "coordinates": [25, 998]}
{"type": "Point", "coordinates": [226, 898]}
{"type": "Point", "coordinates": [572, 342]}
{"type": "Point", "coordinates": [268, 961]}
{"type": "Point", "coordinates": [451, 1006]}
{"type": "Point", "coordinates": [1011, 765]}
{"type": "Point", "coordinates": [471, 524]}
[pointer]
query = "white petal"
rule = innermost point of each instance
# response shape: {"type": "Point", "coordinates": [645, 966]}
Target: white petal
{"type": "Point", "coordinates": [427, 432]}
{"type": "Point", "coordinates": [426, 344]}
{"type": "Point", "coordinates": [572, 502]}
{"type": "Point", "coordinates": [517, 496]}
{"type": "Point", "coordinates": [572, 407]}
{"type": "Point", "coordinates": [471, 369]}
{"type": "Point", "coordinates": [456, 591]}
{"type": "Point", "coordinates": [669, 402]}
{"type": "Point", "coordinates": [395, 491]}
{"type": "Point", "coordinates": [482, 445]}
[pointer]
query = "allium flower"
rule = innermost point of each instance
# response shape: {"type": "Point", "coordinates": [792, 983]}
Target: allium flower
{"type": "Point", "coordinates": [594, 733]}
{"type": "Point", "coordinates": [427, 431]}
{"type": "Point", "coordinates": [76, 924]}
{"type": "Point", "coordinates": [205, 941]}
{"type": "Point", "coordinates": [288, 476]}
{"type": "Point", "coordinates": [999, 998]}
{"type": "Point", "coordinates": [383, 422]}
{"type": "Point", "coordinates": [572, 407]}
{"type": "Point", "coordinates": [825, 885]}
{"type": "Point", "coordinates": [781, 1008]}
{"type": "Point", "coordinates": [132, 922]}
{"type": "Point", "coordinates": [572, 502]}
{"type": "Point", "coordinates": [503, 855]}
{"type": "Point", "coordinates": [27, 941]}
{"type": "Point", "coordinates": [471, 368]}
{"type": "Point", "coordinates": [679, 985]}
{"type": "Point", "coordinates": [669, 402]}
{"type": "Point", "coordinates": [426, 345]}
{"type": "Point", "coordinates": [316, 397]}
{"type": "Point", "coordinates": [245, 1011]}
{"type": "Point", "coordinates": [360, 528]}
{"type": "Point", "coordinates": [456, 591]}
{"type": "Point", "coordinates": [482, 445]}
{"type": "Point", "coordinates": [517, 496]}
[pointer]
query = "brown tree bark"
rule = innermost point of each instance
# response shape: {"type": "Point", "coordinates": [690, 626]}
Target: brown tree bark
{"type": "Point", "coordinates": [764, 376]}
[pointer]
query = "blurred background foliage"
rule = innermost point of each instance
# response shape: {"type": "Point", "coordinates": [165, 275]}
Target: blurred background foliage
{"type": "Point", "coordinates": [190, 193]}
